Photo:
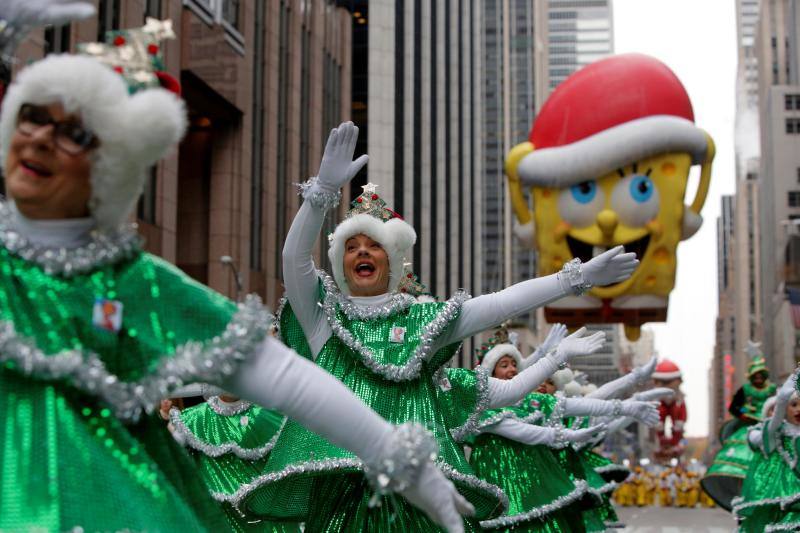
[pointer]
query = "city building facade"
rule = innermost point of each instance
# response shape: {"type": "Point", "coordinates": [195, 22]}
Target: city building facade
{"type": "Point", "coordinates": [778, 56]}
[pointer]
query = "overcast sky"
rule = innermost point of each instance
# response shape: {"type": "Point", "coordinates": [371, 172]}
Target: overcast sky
{"type": "Point", "coordinates": [697, 40]}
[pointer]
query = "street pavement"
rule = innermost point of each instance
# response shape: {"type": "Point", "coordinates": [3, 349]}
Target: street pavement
{"type": "Point", "coordinates": [675, 520]}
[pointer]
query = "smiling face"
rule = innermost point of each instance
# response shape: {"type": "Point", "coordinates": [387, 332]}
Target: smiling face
{"type": "Point", "coordinates": [639, 206]}
{"type": "Point", "coordinates": [366, 266]}
{"type": "Point", "coordinates": [793, 411]}
{"type": "Point", "coordinates": [44, 181]}
{"type": "Point", "coordinates": [547, 387]}
{"type": "Point", "coordinates": [506, 368]}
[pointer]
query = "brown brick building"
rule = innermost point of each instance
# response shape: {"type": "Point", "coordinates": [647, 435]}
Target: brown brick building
{"type": "Point", "coordinates": [264, 81]}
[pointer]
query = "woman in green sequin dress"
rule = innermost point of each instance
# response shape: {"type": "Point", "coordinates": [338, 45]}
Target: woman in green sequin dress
{"type": "Point", "coordinates": [770, 499]}
{"type": "Point", "coordinates": [724, 478]}
{"type": "Point", "coordinates": [387, 348]}
{"type": "Point", "coordinates": [230, 441]}
{"type": "Point", "coordinates": [94, 332]}
{"type": "Point", "coordinates": [512, 451]}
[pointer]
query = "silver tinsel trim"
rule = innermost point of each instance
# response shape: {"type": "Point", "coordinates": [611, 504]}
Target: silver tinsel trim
{"type": "Point", "coordinates": [410, 449]}
{"type": "Point", "coordinates": [276, 322]}
{"type": "Point", "coordinates": [104, 249]}
{"type": "Point", "coordinates": [738, 503]}
{"type": "Point", "coordinates": [192, 362]}
{"type": "Point", "coordinates": [572, 273]}
{"type": "Point", "coordinates": [790, 461]}
{"type": "Point", "coordinates": [559, 410]}
{"type": "Point", "coordinates": [317, 196]}
{"type": "Point", "coordinates": [228, 408]}
{"type": "Point", "coordinates": [398, 302]}
{"type": "Point", "coordinates": [559, 440]}
{"type": "Point", "coordinates": [617, 408]}
{"type": "Point", "coordinates": [581, 487]}
{"type": "Point", "coordinates": [211, 450]}
{"type": "Point", "coordinates": [410, 370]}
{"type": "Point", "coordinates": [611, 468]}
{"type": "Point", "coordinates": [470, 427]}
{"type": "Point", "coordinates": [605, 489]}
{"type": "Point", "coordinates": [332, 465]}
{"type": "Point", "coordinates": [789, 526]}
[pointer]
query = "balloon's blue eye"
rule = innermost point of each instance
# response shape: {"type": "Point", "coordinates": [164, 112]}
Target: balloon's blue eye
{"type": "Point", "coordinates": [584, 192]}
{"type": "Point", "coordinates": [642, 188]}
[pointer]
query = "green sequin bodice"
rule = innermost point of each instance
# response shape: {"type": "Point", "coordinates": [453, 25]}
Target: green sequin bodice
{"type": "Point", "coordinates": [363, 354]}
{"type": "Point", "coordinates": [755, 398]}
{"type": "Point", "coordinates": [66, 458]}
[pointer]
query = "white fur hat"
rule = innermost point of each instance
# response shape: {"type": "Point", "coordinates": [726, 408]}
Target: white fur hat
{"type": "Point", "coordinates": [499, 351]}
{"type": "Point", "coordinates": [135, 131]}
{"type": "Point", "coordinates": [396, 236]}
{"type": "Point", "coordinates": [768, 404]}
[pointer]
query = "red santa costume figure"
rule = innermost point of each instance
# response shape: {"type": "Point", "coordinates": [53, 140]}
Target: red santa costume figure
{"type": "Point", "coordinates": [670, 445]}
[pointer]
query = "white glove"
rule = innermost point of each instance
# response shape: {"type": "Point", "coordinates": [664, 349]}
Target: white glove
{"type": "Point", "coordinates": [505, 392]}
{"type": "Point", "coordinates": [576, 344]}
{"type": "Point", "coordinates": [612, 266]}
{"type": "Point", "coordinates": [654, 394]}
{"type": "Point", "coordinates": [44, 12]}
{"type": "Point", "coordinates": [584, 435]}
{"type": "Point", "coordinates": [554, 336]}
{"type": "Point", "coordinates": [439, 499]}
{"type": "Point", "coordinates": [337, 167]}
{"type": "Point", "coordinates": [644, 412]}
{"type": "Point", "coordinates": [788, 388]}
{"type": "Point", "coordinates": [617, 387]}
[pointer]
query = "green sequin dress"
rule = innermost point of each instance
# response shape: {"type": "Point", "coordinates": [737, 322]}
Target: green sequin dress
{"type": "Point", "coordinates": [724, 478]}
{"type": "Point", "coordinates": [770, 499]}
{"type": "Point", "coordinates": [308, 479]}
{"type": "Point", "coordinates": [538, 489]}
{"type": "Point", "coordinates": [77, 450]}
{"type": "Point", "coordinates": [230, 443]}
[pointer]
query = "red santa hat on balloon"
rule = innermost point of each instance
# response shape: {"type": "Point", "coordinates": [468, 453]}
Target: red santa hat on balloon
{"type": "Point", "coordinates": [610, 114]}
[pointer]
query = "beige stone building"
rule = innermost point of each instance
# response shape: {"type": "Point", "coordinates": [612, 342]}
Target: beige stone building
{"type": "Point", "coordinates": [264, 82]}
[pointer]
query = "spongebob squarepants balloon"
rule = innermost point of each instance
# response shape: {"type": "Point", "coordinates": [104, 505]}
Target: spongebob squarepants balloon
{"type": "Point", "coordinates": [608, 163]}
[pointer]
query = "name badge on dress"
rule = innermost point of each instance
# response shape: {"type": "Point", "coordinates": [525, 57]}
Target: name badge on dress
{"type": "Point", "coordinates": [397, 335]}
{"type": "Point", "coordinates": [107, 314]}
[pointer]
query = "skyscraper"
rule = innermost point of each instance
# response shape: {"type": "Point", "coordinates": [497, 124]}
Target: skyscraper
{"type": "Point", "coordinates": [778, 56]}
{"type": "Point", "coordinates": [580, 32]}
{"type": "Point", "coordinates": [514, 86]}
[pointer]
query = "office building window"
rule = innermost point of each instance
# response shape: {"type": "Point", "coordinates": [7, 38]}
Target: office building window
{"type": "Point", "coordinates": [794, 198]}
{"type": "Point", "coordinates": [56, 39]}
{"type": "Point", "coordinates": [793, 126]}
{"type": "Point", "coordinates": [152, 8]}
{"type": "Point", "coordinates": [230, 13]}
{"type": "Point", "coordinates": [257, 143]}
{"type": "Point", "coordinates": [108, 12]}
{"type": "Point", "coordinates": [146, 208]}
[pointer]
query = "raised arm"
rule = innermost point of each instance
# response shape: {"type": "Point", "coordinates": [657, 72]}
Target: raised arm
{"type": "Point", "coordinates": [395, 458]}
{"type": "Point", "coordinates": [554, 336]}
{"type": "Point", "coordinates": [505, 392]}
{"type": "Point", "coordinates": [618, 387]}
{"type": "Point", "coordinates": [645, 412]}
{"type": "Point", "coordinates": [320, 194]}
{"type": "Point", "coordinates": [553, 437]}
{"type": "Point", "coordinates": [489, 310]}
{"type": "Point", "coordinates": [783, 397]}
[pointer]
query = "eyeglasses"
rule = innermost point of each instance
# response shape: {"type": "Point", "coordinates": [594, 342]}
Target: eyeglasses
{"type": "Point", "coordinates": [68, 135]}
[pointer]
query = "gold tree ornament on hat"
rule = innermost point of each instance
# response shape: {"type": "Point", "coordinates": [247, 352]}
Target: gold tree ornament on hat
{"type": "Point", "coordinates": [369, 203]}
{"type": "Point", "coordinates": [135, 54]}
{"type": "Point", "coordinates": [500, 336]}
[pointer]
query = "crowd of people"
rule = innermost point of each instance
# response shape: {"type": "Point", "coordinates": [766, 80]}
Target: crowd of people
{"type": "Point", "coordinates": [340, 413]}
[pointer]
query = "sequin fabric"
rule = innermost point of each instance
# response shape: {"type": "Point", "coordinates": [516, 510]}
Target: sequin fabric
{"type": "Point", "coordinates": [230, 450]}
{"type": "Point", "coordinates": [723, 480]}
{"type": "Point", "coordinates": [770, 499]}
{"type": "Point", "coordinates": [66, 460]}
{"type": "Point", "coordinates": [303, 467]}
